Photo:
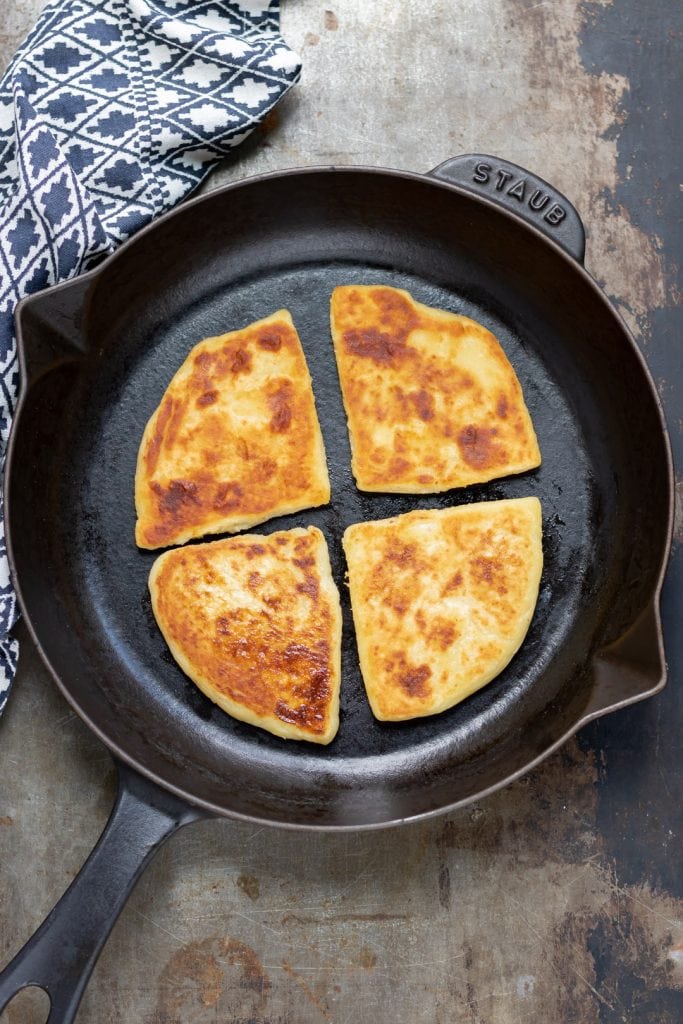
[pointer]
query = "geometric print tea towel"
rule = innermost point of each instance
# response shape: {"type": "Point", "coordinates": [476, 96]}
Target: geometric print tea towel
{"type": "Point", "coordinates": [110, 113]}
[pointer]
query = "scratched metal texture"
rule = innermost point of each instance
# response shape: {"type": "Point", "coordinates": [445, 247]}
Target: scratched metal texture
{"type": "Point", "coordinates": [560, 898]}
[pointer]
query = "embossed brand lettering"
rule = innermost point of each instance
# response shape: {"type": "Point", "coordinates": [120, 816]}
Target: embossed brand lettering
{"type": "Point", "coordinates": [517, 190]}
{"type": "Point", "coordinates": [555, 214]}
{"type": "Point", "coordinates": [535, 198]}
{"type": "Point", "coordinates": [538, 200]}
{"type": "Point", "coordinates": [481, 173]}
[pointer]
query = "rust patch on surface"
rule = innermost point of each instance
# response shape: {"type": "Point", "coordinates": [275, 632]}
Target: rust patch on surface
{"type": "Point", "coordinates": [193, 983]}
{"type": "Point", "coordinates": [367, 958]}
{"type": "Point", "coordinates": [6, 820]}
{"type": "Point", "coordinates": [331, 21]}
{"type": "Point", "coordinates": [250, 886]}
{"type": "Point", "coordinates": [307, 991]}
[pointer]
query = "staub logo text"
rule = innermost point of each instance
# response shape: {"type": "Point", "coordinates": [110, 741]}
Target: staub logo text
{"type": "Point", "coordinates": [520, 189]}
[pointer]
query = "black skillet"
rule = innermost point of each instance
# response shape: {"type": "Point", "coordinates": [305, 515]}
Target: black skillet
{"type": "Point", "coordinates": [478, 236]}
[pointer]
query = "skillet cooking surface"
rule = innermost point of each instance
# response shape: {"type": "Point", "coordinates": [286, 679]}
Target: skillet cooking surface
{"type": "Point", "coordinates": [287, 241]}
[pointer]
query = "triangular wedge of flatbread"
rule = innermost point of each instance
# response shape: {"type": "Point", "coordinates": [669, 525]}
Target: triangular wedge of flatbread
{"type": "Point", "coordinates": [441, 600]}
{"type": "Point", "coordinates": [234, 441]}
{"type": "Point", "coordinates": [431, 399]}
{"type": "Point", "coordinates": [255, 622]}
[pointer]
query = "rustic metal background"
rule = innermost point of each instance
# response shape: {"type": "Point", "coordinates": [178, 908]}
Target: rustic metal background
{"type": "Point", "coordinates": [560, 898]}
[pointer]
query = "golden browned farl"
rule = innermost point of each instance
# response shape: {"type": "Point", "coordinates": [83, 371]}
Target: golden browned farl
{"type": "Point", "coordinates": [442, 600]}
{"type": "Point", "coordinates": [431, 399]}
{"type": "Point", "coordinates": [234, 441]}
{"type": "Point", "coordinates": [255, 622]}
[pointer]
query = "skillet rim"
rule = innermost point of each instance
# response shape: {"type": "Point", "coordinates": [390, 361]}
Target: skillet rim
{"type": "Point", "coordinates": [573, 266]}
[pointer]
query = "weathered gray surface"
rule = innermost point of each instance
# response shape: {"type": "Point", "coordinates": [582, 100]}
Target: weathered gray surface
{"type": "Point", "coordinates": [558, 899]}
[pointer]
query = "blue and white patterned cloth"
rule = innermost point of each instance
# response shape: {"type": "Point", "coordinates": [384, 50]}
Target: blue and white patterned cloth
{"type": "Point", "coordinates": [111, 112]}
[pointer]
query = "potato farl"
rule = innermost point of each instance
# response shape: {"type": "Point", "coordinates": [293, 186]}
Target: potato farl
{"type": "Point", "coordinates": [234, 441]}
{"type": "Point", "coordinates": [255, 622]}
{"type": "Point", "coordinates": [441, 600]}
{"type": "Point", "coordinates": [431, 399]}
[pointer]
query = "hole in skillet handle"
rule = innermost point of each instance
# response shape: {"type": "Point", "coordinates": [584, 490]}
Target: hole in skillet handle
{"type": "Point", "coordinates": [60, 956]}
{"type": "Point", "coordinates": [521, 192]}
{"type": "Point", "coordinates": [30, 1006]}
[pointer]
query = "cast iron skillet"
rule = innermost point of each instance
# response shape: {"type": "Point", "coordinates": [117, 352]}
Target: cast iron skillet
{"type": "Point", "coordinates": [478, 236]}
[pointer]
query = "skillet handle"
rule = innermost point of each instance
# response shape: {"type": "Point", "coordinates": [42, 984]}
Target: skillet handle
{"type": "Point", "coordinates": [520, 191]}
{"type": "Point", "coordinates": [60, 956]}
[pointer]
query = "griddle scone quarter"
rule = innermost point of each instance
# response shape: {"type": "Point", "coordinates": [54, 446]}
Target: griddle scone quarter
{"type": "Point", "coordinates": [234, 441]}
{"type": "Point", "coordinates": [442, 600]}
{"type": "Point", "coordinates": [431, 399]}
{"type": "Point", "coordinates": [255, 622]}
